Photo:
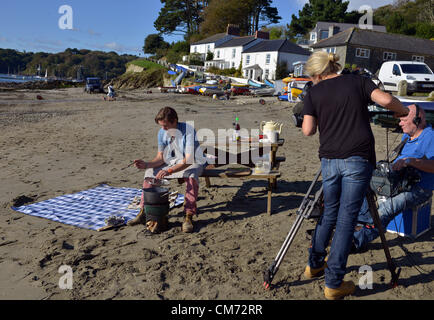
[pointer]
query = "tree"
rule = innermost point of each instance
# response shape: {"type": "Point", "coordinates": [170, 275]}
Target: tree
{"type": "Point", "coordinates": [248, 14]}
{"type": "Point", "coordinates": [154, 42]}
{"type": "Point", "coordinates": [180, 17]}
{"type": "Point", "coordinates": [320, 10]}
{"type": "Point", "coordinates": [414, 18]}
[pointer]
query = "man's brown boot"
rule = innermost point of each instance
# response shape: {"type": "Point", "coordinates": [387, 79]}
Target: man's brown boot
{"type": "Point", "coordinates": [187, 225]}
{"type": "Point", "coordinates": [139, 219]}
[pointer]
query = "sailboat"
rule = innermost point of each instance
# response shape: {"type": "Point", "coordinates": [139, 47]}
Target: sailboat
{"type": "Point", "coordinates": [46, 73]}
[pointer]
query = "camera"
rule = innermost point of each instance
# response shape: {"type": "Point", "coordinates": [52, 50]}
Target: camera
{"type": "Point", "coordinates": [297, 116]}
{"type": "Point", "coordinates": [389, 183]}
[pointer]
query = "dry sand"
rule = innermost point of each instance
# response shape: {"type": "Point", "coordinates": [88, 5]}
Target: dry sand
{"type": "Point", "coordinates": [71, 141]}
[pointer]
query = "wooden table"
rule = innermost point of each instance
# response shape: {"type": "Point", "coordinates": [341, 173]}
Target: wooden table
{"type": "Point", "coordinates": [243, 146]}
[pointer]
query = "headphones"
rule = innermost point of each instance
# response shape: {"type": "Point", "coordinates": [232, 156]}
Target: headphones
{"type": "Point", "coordinates": [417, 119]}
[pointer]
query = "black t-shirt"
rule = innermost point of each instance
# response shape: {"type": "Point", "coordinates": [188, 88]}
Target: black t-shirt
{"type": "Point", "coordinates": [340, 106]}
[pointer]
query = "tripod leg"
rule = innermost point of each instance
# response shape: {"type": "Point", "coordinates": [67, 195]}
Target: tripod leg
{"type": "Point", "coordinates": [302, 212]}
{"type": "Point", "coordinates": [377, 222]}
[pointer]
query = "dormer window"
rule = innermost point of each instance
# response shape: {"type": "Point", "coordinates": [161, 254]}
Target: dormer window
{"type": "Point", "coordinates": [312, 36]}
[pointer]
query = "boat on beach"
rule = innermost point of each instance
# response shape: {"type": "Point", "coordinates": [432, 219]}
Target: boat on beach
{"type": "Point", "coordinates": [256, 84]}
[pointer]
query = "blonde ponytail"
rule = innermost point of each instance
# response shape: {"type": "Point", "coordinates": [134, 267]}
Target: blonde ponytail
{"type": "Point", "coordinates": [322, 63]}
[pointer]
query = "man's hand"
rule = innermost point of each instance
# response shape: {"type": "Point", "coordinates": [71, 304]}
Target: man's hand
{"type": "Point", "coordinates": [161, 174]}
{"type": "Point", "coordinates": [140, 164]}
{"type": "Point", "coordinates": [401, 115]}
{"type": "Point", "coordinates": [401, 163]}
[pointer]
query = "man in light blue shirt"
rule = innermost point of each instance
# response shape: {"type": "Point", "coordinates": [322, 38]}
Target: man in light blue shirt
{"type": "Point", "coordinates": [418, 152]}
{"type": "Point", "coordinates": [179, 156]}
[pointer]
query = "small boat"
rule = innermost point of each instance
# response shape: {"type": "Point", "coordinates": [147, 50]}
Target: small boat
{"type": "Point", "coordinates": [256, 84]}
{"type": "Point", "coordinates": [269, 83]}
{"type": "Point", "coordinates": [262, 92]}
{"type": "Point", "coordinates": [289, 79]}
{"type": "Point", "coordinates": [211, 91]}
{"type": "Point", "coordinates": [240, 90]}
{"type": "Point", "coordinates": [239, 85]}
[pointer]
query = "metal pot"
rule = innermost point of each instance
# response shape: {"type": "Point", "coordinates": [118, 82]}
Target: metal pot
{"type": "Point", "coordinates": [156, 195]}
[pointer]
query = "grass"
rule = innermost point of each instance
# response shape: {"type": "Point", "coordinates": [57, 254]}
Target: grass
{"type": "Point", "coordinates": [148, 65]}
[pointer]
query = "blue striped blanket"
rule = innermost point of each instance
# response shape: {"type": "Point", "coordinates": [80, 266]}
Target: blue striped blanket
{"type": "Point", "coordinates": [90, 208]}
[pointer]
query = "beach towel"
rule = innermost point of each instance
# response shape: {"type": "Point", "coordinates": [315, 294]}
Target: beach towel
{"type": "Point", "coordinates": [89, 209]}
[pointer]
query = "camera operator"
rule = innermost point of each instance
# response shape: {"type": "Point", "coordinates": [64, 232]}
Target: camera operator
{"type": "Point", "coordinates": [337, 105]}
{"type": "Point", "coordinates": [418, 152]}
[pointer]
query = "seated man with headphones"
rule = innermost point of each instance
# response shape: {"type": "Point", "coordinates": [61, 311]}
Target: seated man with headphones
{"type": "Point", "coordinates": [418, 152]}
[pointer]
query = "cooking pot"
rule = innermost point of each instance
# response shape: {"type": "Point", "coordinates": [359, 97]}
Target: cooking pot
{"type": "Point", "coordinates": [156, 195]}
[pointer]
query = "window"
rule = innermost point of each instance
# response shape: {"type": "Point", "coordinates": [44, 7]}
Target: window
{"type": "Point", "coordinates": [362, 53]}
{"type": "Point", "coordinates": [396, 70]}
{"type": "Point", "coordinates": [233, 64]}
{"type": "Point", "coordinates": [418, 58]}
{"type": "Point", "coordinates": [247, 59]}
{"type": "Point", "coordinates": [233, 53]}
{"type": "Point", "coordinates": [267, 59]}
{"type": "Point", "coordinates": [195, 49]}
{"type": "Point", "coordinates": [415, 68]}
{"type": "Point", "coordinates": [324, 34]}
{"type": "Point", "coordinates": [313, 36]}
{"type": "Point", "coordinates": [207, 48]}
{"type": "Point", "coordinates": [389, 56]}
{"type": "Point", "coordinates": [267, 73]}
{"type": "Point", "coordinates": [331, 50]}
{"type": "Point", "coordinates": [218, 54]}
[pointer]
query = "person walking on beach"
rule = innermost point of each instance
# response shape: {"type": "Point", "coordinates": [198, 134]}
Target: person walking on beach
{"type": "Point", "coordinates": [177, 147]}
{"type": "Point", "coordinates": [337, 106]}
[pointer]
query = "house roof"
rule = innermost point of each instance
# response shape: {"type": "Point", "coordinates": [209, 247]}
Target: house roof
{"type": "Point", "coordinates": [344, 26]}
{"type": "Point", "coordinates": [388, 41]}
{"type": "Point", "coordinates": [211, 39]}
{"type": "Point", "coordinates": [237, 42]}
{"type": "Point", "coordinates": [278, 45]}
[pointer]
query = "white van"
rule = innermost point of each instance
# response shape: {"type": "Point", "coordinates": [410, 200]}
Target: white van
{"type": "Point", "coordinates": [418, 75]}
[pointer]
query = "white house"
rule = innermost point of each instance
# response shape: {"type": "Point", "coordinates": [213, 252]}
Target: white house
{"type": "Point", "coordinates": [260, 61]}
{"type": "Point", "coordinates": [206, 45]}
{"type": "Point", "coordinates": [229, 54]}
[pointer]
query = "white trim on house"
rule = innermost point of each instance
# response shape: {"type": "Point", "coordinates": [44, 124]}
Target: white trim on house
{"type": "Point", "coordinates": [363, 53]}
{"type": "Point", "coordinates": [389, 56]}
{"type": "Point", "coordinates": [418, 58]}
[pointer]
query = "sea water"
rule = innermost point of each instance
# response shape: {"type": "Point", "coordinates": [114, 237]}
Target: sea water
{"type": "Point", "coordinates": [19, 78]}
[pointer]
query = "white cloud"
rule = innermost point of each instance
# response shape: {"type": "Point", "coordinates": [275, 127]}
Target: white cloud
{"type": "Point", "coordinates": [93, 33]}
{"type": "Point", "coordinates": [114, 46]}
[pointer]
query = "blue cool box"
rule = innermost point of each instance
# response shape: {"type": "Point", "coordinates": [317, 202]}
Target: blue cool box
{"type": "Point", "coordinates": [412, 222]}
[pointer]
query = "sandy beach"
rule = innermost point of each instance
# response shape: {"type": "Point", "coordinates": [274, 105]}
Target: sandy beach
{"type": "Point", "coordinates": [72, 141]}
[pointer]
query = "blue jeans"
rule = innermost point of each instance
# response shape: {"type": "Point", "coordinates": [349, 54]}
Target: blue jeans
{"type": "Point", "coordinates": [388, 210]}
{"type": "Point", "coordinates": [345, 182]}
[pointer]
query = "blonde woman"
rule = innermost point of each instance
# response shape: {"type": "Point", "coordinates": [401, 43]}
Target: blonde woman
{"type": "Point", "coordinates": [337, 106]}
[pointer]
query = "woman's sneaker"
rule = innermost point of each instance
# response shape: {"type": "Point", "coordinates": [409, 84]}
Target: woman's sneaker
{"type": "Point", "coordinates": [345, 289]}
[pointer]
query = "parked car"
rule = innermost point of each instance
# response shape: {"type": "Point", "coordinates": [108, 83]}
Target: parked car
{"type": "Point", "coordinates": [418, 75]}
{"type": "Point", "coordinates": [93, 84]}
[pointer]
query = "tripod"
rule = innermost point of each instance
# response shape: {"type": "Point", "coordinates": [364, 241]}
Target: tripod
{"type": "Point", "coordinates": [309, 208]}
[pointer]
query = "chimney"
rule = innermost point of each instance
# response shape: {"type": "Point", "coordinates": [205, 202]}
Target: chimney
{"type": "Point", "coordinates": [262, 35]}
{"type": "Point", "coordinates": [233, 29]}
{"type": "Point", "coordinates": [333, 30]}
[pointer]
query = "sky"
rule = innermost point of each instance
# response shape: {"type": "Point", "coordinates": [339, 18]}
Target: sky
{"type": "Point", "coordinates": [110, 25]}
